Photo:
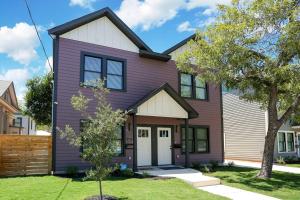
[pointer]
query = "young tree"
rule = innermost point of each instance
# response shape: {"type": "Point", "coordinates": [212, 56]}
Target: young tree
{"type": "Point", "coordinates": [254, 47]}
{"type": "Point", "coordinates": [97, 136]}
{"type": "Point", "coordinates": [38, 99]}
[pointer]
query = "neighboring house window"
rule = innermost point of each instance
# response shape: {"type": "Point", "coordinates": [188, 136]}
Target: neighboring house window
{"type": "Point", "coordinates": [192, 87]}
{"type": "Point", "coordinates": [18, 122]}
{"type": "Point", "coordinates": [198, 139]}
{"type": "Point", "coordinates": [286, 142]}
{"type": "Point", "coordinates": [119, 139]}
{"type": "Point", "coordinates": [103, 67]}
{"type": "Point", "coordinates": [31, 124]}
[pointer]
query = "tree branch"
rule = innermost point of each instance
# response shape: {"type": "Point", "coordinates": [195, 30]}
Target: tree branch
{"type": "Point", "coordinates": [289, 111]}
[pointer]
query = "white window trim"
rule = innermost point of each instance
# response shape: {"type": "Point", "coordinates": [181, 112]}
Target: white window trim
{"type": "Point", "coordinates": [286, 142]}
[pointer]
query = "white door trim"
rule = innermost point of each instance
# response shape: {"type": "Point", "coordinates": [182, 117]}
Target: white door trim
{"type": "Point", "coordinates": [164, 142]}
{"type": "Point", "coordinates": [144, 150]}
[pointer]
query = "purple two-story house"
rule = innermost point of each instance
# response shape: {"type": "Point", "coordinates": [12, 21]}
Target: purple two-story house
{"type": "Point", "coordinates": [163, 103]}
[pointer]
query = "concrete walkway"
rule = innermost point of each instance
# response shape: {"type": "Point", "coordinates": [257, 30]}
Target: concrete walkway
{"type": "Point", "coordinates": [191, 176]}
{"type": "Point", "coordinates": [257, 165]}
{"type": "Point", "coordinates": [206, 183]}
{"type": "Point", "coordinates": [235, 193]}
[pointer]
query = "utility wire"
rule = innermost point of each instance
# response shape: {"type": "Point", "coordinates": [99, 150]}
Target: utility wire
{"type": "Point", "coordinates": [29, 12]}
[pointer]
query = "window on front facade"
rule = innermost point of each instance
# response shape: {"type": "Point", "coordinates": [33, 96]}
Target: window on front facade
{"type": "Point", "coordinates": [197, 140]}
{"type": "Point", "coordinates": [192, 87]}
{"type": "Point", "coordinates": [114, 74]}
{"type": "Point", "coordinates": [92, 70]}
{"type": "Point", "coordinates": [286, 142]}
{"type": "Point", "coordinates": [186, 85]}
{"type": "Point", "coordinates": [18, 122]}
{"type": "Point", "coordinates": [119, 138]}
{"type": "Point", "coordinates": [102, 67]}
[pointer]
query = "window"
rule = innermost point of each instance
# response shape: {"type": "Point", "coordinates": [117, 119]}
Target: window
{"type": "Point", "coordinates": [281, 142]}
{"type": "Point", "coordinates": [102, 67]}
{"type": "Point", "coordinates": [120, 141]}
{"type": "Point", "coordinates": [114, 74]}
{"type": "Point", "coordinates": [92, 70]}
{"type": "Point", "coordinates": [290, 142]}
{"type": "Point", "coordinates": [192, 87]}
{"type": "Point", "coordinates": [143, 133]}
{"type": "Point", "coordinates": [286, 142]}
{"type": "Point", "coordinates": [18, 122]}
{"type": "Point", "coordinates": [186, 85]}
{"type": "Point", "coordinates": [197, 139]}
{"type": "Point", "coordinates": [119, 138]}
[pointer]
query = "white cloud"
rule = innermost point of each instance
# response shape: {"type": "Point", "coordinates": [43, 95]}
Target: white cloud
{"type": "Point", "coordinates": [207, 22]}
{"type": "Point", "coordinates": [211, 4]}
{"type": "Point", "coordinates": [185, 26]}
{"type": "Point", "coordinates": [83, 3]}
{"type": "Point", "coordinates": [209, 11]}
{"type": "Point", "coordinates": [47, 67]}
{"type": "Point", "coordinates": [19, 76]}
{"type": "Point", "coordinates": [19, 42]}
{"type": "Point", "coordinates": [149, 13]}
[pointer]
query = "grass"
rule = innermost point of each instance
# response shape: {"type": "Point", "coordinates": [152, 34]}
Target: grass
{"type": "Point", "coordinates": [58, 188]}
{"type": "Point", "coordinates": [282, 185]}
{"type": "Point", "coordinates": [293, 165]}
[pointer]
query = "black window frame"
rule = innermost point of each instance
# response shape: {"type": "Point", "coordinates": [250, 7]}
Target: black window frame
{"type": "Point", "coordinates": [20, 120]}
{"type": "Point", "coordinates": [104, 59]}
{"type": "Point", "coordinates": [194, 140]}
{"type": "Point", "coordinates": [194, 87]}
{"type": "Point", "coordinates": [81, 121]}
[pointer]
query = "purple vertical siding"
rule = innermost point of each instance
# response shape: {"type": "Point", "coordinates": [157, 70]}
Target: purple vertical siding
{"type": "Point", "coordinates": [143, 75]}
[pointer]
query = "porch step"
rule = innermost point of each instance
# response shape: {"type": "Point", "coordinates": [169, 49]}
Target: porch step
{"type": "Point", "coordinates": [191, 176]}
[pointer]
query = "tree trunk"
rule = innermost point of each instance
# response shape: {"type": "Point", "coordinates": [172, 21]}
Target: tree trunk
{"type": "Point", "coordinates": [100, 188]}
{"type": "Point", "coordinates": [267, 162]}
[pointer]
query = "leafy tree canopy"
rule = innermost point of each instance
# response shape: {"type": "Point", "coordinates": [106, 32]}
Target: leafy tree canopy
{"type": "Point", "coordinates": [38, 99]}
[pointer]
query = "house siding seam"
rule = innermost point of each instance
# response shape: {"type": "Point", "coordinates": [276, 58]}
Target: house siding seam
{"type": "Point", "coordinates": [143, 76]}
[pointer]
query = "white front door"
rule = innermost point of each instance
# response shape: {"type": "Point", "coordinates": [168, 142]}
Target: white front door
{"type": "Point", "coordinates": [164, 152]}
{"type": "Point", "coordinates": [298, 139]}
{"type": "Point", "coordinates": [144, 146]}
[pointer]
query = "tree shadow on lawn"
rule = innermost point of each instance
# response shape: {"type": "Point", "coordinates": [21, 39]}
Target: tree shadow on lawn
{"type": "Point", "coordinates": [247, 177]}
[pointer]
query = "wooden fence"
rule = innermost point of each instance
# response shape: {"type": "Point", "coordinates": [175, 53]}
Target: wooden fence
{"type": "Point", "coordinates": [25, 155]}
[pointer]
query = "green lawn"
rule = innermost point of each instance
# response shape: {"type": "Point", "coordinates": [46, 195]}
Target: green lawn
{"type": "Point", "coordinates": [281, 185]}
{"type": "Point", "coordinates": [57, 188]}
{"type": "Point", "coordinates": [292, 165]}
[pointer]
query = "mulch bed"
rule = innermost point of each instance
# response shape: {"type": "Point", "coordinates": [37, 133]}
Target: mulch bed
{"type": "Point", "coordinates": [104, 197]}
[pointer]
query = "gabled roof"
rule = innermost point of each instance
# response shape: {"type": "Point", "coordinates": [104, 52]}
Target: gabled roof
{"type": "Point", "coordinates": [4, 85]}
{"type": "Point", "coordinates": [176, 46]}
{"type": "Point", "coordinates": [66, 27]}
{"type": "Point", "coordinates": [166, 87]}
{"type": "Point", "coordinates": [145, 50]}
{"type": "Point", "coordinates": [8, 86]}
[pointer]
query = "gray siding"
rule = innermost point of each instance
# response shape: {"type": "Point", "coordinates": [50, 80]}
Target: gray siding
{"type": "Point", "coordinates": [244, 129]}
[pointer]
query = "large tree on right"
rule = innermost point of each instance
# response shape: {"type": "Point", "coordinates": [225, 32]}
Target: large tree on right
{"type": "Point", "coordinates": [253, 47]}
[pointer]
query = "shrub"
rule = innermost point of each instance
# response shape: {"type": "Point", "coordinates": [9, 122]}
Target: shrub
{"type": "Point", "coordinates": [206, 169]}
{"type": "Point", "coordinates": [127, 172]}
{"type": "Point", "coordinates": [196, 166]}
{"type": "Point", "coordinates": [280, 160]}
{"type": "Point", "coordinates": [214, 164]}
{"type": "Point", "coordinates": [230, 164]}
{"type": "Point", "coordinates": [72, 171]}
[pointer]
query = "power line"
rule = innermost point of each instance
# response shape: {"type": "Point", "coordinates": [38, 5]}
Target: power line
{"type": "Point", "coordinates": [29, 12]}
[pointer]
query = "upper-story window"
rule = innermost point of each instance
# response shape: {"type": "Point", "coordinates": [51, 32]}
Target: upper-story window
{"type": "Point", "coordinates": [103, 67]}
{"type": "Point", "coordinates": [192, 87]}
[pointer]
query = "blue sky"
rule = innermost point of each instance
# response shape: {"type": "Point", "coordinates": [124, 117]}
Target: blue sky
{"type": "Point", "coordinates": [160, 23]}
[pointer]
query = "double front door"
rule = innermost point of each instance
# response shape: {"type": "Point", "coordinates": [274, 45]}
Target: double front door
{"type": "Point", "coordinates": [154, 148]}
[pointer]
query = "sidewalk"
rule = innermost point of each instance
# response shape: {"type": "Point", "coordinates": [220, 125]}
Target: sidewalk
{"type": "Point", "coordinates": [257, 165]}
{"type": "Point", "coordinates": [235, 193]}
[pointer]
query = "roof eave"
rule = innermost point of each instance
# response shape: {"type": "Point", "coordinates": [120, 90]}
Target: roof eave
{"type": "Point", "coordinates": [154, 55]}
{"type": "Point", "coordinates": [176, 46]}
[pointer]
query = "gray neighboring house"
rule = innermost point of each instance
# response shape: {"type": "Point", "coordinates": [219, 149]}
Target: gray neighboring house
{"type": "Point", "coordinates": [25, 125]}
{"type": "Point", "coordinates": [245, 128]}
